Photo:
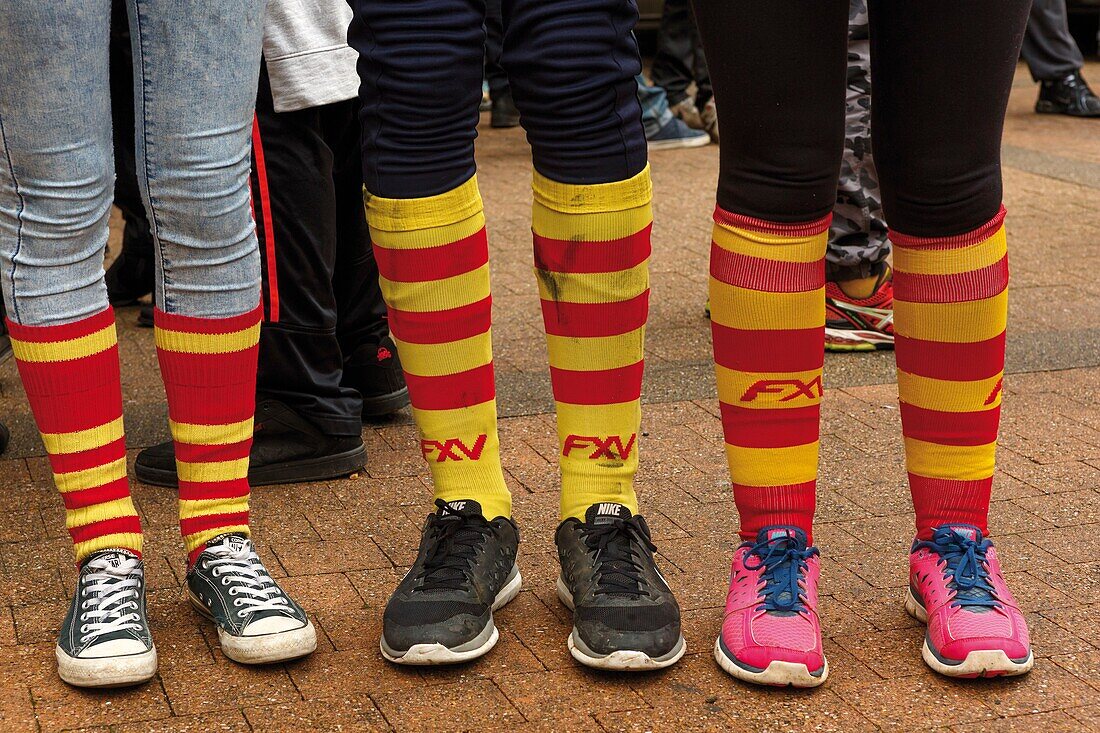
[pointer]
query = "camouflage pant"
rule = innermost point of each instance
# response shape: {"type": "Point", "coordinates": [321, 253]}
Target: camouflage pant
{"type": "Point", "coordinates": [857, 241]}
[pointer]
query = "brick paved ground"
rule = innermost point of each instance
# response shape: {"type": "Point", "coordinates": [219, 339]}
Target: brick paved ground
{"type": "Point", "coordinates": [343, 545]}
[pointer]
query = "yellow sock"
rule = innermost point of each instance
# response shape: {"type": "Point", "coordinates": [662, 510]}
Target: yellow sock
{"type": "Point", "coordinates": [433, 261]}
{"type": "Point", "coordinates": [592, 245]}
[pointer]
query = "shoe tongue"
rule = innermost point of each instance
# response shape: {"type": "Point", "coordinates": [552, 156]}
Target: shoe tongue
{"type": "Point", "coordinates": [236, 542]}
{"type": "Point", "coordinates": [606, 512]}
{"type": "Point", "coordinates": [969, 531]}
{"type": "Point", "coordinates": [780, 532]}
{"type": "Point", "coordinates": [465, 507]}
{"type": "Point", "coordinates": [114, 558]}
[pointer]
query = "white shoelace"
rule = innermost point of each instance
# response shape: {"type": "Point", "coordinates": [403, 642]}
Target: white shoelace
{"type": "Point", "coordinates": [109, 594]}
{"type": "Point", "coordinates": [238, 566]}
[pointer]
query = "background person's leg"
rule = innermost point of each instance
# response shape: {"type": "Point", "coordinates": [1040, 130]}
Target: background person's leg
{"type": "Point", "coordinates": [133, 273]}
{"type": "Point", "coordinates": [674, 63]}
{"type": "Point", "coordinates": [858, 296]}
{"type": "Point", "coordinates": [938, 152]}
{"type": "Point", "coordinates": [308, 422]}
{"type": "Point", "coordinates": [371, 364]}
{"type": "Point", "coordinates": [1048, 48]}
{"type": "Point", "coordinates": [295, 201]}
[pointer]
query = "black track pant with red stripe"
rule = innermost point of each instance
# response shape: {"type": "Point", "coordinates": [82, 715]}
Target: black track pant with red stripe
{"type": "Point", "coordinates": [319, 275]}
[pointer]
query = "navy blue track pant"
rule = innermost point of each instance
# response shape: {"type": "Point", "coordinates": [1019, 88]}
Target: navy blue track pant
{"type": "Point", "coordinates": [571, 64]}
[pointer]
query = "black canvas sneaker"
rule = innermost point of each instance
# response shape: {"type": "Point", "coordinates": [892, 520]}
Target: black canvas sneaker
{"type": "Point", "coordinates": [105, 640]}
{"type": "Point", "coordinates": [442, 611]}
{"type": "Point", "coordinates": [624, 615]}
{"type": "Point", "coordinates": [257, 621]}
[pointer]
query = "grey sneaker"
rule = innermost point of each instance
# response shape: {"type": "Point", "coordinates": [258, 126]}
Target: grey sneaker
{"type": "Point", "coordinates": [624, 615]}
{"type": "Point", "coordinates": [105, 640]}
{"type": "Point", "coordinates": [442, 611]}
{"type": "Point", "coordinates": [257, 621]}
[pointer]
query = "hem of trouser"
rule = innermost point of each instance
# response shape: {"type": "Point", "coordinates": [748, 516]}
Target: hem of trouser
{"type": "Point", "coordinates": [412, 214]}
{"type": "Point", "coordinates": [978, 234]}
{"type": "Point", "coordinates": [725, 218]}
{"type": "Point", "coordinates": [350, 427]}
{"type": "Point", "coordinates": [590, 198]}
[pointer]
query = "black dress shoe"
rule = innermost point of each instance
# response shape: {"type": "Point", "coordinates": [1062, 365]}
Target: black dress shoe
{"type": "Point", "coordinates": [374, 370]}
{"type": "Point", "coordinates": [505, 113]}
{"type": "Point", "coordinates": [286, 449]}
{"type": "Point", "coordinates": [1069, 96]}
{"type": "Point", "coordinates": [130, 277]}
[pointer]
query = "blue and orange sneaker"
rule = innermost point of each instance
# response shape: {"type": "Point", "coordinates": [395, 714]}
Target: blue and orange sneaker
{"type": "Point", "coordinates": [975, 628]}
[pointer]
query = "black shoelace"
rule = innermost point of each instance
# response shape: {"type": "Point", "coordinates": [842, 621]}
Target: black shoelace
{"type": "Point", "coordinates": [454, 540]}
{"type": "Point", "coordinates": [618, 559]}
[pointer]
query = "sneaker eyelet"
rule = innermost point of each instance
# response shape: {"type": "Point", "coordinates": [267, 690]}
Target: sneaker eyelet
{"type": "Point", "coordinates": [83, 617]}
{"type": "Point", "coordinates": [241, 614]}
{"type": "Point", "coordinates": [225, 581]}
{"type": "Point", "coordinates": [237, 602]}
{"type": "Point", "coordinates": [233, 591]}
{"type": "Point", "coordinates": [84, 628]}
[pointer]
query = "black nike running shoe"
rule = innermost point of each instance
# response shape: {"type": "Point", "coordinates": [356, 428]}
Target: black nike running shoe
{"type": "Point", "coordinates": [442, 611]}
{"type": "Point", "coordinates": [624, 615]}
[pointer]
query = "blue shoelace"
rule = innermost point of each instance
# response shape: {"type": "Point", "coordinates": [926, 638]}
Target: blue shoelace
{"type": "Point", "coordinates": [964, 567]}
{"type": "Point", "coordinates": [784, 565]}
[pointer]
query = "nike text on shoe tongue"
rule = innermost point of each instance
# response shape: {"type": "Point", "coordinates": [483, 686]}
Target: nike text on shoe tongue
{"type": "Point", "coordinates": [606, 512]}
{"type": "Point", "coordinates": [467, 507]}
{"type": "Point", "coordinates": [612, 532]}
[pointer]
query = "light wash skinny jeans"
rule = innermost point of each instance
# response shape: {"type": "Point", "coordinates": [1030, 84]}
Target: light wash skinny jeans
{"type": "Point", "coordinates": [196, 69]}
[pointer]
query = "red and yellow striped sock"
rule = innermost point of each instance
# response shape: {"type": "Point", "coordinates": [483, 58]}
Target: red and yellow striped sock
{"type": "Point", "coordinates": [71, 376]}
{"type": "Point", "coordinates": [767, 302]}
{"type": "Point", "coordinates": [950, 310]}
{"type": "Point", "coordinates": [592, 245]}
{"type": "Point", "coordinates": [433, 264]}
{"type": "Point", "coordinates": [209, 370]}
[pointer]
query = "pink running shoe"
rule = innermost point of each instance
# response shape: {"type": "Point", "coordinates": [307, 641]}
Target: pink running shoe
{"type": "Point", "coordinates": [975, 628]}
{"type": "Point", "coordinates": [771, 634]}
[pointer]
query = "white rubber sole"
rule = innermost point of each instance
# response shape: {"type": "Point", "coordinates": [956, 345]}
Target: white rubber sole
{"type": "Point", "coordinates": [845, 340]}
{"type": "Point", "coordinates": [680, 143]}
{"type": "Point", "coordinates": [132, 669]}
{"type": "Point", "coordinates": [438, 654]}
{"type": "Point", "coordinates": [978, 663]}
{"type": "Point", "coordinates": [777, 673]}
{"type": "Point", "coordinates": [266, 648]}
{"type": "Point", "coordinates": [622, 660]}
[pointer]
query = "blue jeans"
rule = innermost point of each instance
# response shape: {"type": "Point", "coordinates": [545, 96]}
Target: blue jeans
{"type": "Point", "coordinates": [196, 63]}
{"type": "Point", "coordinates": [655, 111]}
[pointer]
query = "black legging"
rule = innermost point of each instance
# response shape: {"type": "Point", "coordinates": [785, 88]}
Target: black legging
{"type": "Point", "coordinates": [941, 73]}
